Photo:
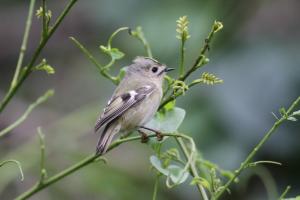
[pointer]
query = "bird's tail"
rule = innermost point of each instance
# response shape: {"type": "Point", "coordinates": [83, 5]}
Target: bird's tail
{"type": "Point", "coordinates": [106, 138]}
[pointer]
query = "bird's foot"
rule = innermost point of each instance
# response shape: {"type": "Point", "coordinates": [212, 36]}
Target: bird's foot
{"type": "Point", "coordinates": [144, 138]}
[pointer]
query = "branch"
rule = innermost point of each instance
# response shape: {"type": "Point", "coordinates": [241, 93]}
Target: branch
{"type": "Point", "coordinates": [247, 161]}
{"type": "Point", "coordinates": [17, 163]}
{"type": "Point", "coordinates": [193, 168]}
{"type": "Point", "coordinates": [139, 34]}
{"type": "Point", "coordinates": [24, 45]}
{"type": "Point", "coordinates": [28, 70]}
{"type": "Point", "coordinates": [43, 172]}
{"type": "Point", "coordinates": [102, 70]}
{"type": "Point", "coordinates": [86, 161]}
{"type": "Point", "coordinates": [40, 100]}
{"type": "Point", "coordinates": [201, 60]}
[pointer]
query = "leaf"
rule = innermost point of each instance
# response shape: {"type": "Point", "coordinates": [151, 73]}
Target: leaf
{"type": "Point", "coordinates": [217, 26]}
{"type": "Point", "coordinates": [168, 122]}
{"type": "Point", "coordinates": [156, 146]}
{"type": "Point", "coordinates": [296, 112]}
{"type": "Point", "coordinates": [177, 174]}
{"type": "Point", "coordinates": [282, 111]}
{"type": "Point", "coordinates": [122, 73]}
{"type": "Point", "coordinates": [169, 106]}
{"type": "Point", "coordinates": [292, 119]}
{"type": "Point", "coordinates": [174, 172]}
{"type": "Point", "coordinates": [43, 66]}
{"type": "Point", "coordinates": [114, 53]}
{"type": "Point", "coordinates": [157, 164]}
{"type": "Point", "coordinates": [48, 69]}
{"type": "Point", "coordinates": [201, 181]}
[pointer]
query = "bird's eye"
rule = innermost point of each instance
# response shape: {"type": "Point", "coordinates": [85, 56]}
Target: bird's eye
{"type": "Point", "coordinates": [154, 69]}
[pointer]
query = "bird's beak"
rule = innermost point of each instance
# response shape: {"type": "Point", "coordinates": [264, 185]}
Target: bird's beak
{"type": "Point", "coordinates": [167, 69]}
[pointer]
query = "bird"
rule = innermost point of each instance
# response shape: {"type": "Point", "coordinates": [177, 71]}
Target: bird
{"type": "Point", "coordinates": [133, 103]}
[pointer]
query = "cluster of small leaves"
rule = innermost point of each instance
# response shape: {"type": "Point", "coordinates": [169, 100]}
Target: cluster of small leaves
{"type": "Point", "coordinates": [208, 78]}
{"type": "Point", "coordinates": [44, 66]}
{"type": "Point", "coordinates": [182, 28]}
{"type": "Point", "coordinates": [291, 117]}
{"type": "Point", "coordinates": [39, 13]}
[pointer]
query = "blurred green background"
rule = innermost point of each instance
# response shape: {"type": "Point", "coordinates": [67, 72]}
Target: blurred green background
{"type": "Point", "coordinates": [256, 54]}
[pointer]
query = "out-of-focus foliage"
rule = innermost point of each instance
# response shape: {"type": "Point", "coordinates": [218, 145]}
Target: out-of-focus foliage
{"type": "Point", "coordinates": [256, 56]}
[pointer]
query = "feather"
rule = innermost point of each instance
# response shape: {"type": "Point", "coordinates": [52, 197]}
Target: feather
{"type": "Point", "coordinates": [115, 109]}
{"type": "Point", "coordinates": [119, 104]}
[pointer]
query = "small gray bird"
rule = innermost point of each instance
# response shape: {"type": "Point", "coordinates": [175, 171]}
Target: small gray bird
{"type": "Point", "coordinates": [133, 103]}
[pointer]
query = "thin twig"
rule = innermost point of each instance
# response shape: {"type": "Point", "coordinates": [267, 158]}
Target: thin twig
{"type": "Point", "coordinates": [86, 161]}
{"type": "Point", "coordinates": [156, 186]}
{"type": "Point", "coordinates": [101, 68]}
{"type": "Point", "coordinates": [201, 58]}
{"type": "Point", "coordinates": [287, 189]}
{"type": "Point", "coordinates": [17, 163]}
{"type": "Point", "coordinates": [28, 70]}
{"type": "Point", "coordinates": [43, 172]}
{"type": "Point", "coordinates": [246, 162]}
{"type": "Point", "coordinates": [40, 100]}
{"type": "Point", "coordinates": [24, 44]}
{"type": "Point", "coordinates": [45, 28]}
{"type": "Point", "coordinates": [192, 167]}
{"type": "Point", "coordinates": [200, 61]}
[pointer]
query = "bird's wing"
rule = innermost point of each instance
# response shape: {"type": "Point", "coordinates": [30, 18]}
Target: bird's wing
{"type": "Point", "coordinates": [121, 103]}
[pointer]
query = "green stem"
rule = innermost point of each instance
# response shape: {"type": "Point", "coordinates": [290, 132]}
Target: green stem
{"type": "Point", "coordinates": [36, 54]}
{"type": "Point", "coordinates": [156, 186]}
{"type": "Point", "coordinates": [193, 168]}
{"type": "Point", "coordinates": [45, 28]}
{"type": "Point", "coordinates": [182, 51]}
{"type": "Point", "coordinates": [43, 172]}
{"type": "Point", "coordinates": [246, 162]}
{"type": "Point", "coordinates": [86, 161]}
{"type": "Point", "coordinates": [102, 70]}
{"type": "Point", "coordinates": [40, 100]}
{"type": "Point", "coordinates": [139, 34]}
{"type": "Point", "coordinates": [287, 189]}
{"type": "Point", "coordinates": [172, 97]}
{"type": "Point", "coordinates": [114, 34]}
{"type": "Point", "coordinates": [24, 44]}
{"type": "Point", "coordinates": [15, 162]}
{"type": "Point", "coordinates": [200, 61]}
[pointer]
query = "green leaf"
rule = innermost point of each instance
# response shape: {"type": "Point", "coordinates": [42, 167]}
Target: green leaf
{"type": "Point", "coordinates": [296, 112]}
{"type": "Point", "coordinates": [169, 106]}
{"type": "Point", "coordinates": [122, 73]}
{"type": "Point", "coordinates": [168, 122]}
{"type": "Point", "coordinates": [201, 181]}
{"type": "Point", "coordinates": [177, 174]}
{"type": "Point", "coordinates": [282, 111]}
{"type": "Point", "coordinates": [292, 119]}
{"type": "Point", "coordinates": [174, 172]}
{"type": "Point", "coordinates": [116, 54]}
{"type": "Point", "coordinates": [157, 164]}
{"type": "Point", "coordinates": [43, 66]}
